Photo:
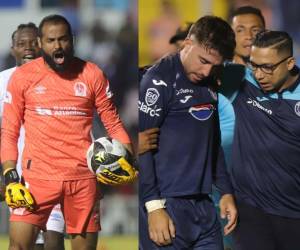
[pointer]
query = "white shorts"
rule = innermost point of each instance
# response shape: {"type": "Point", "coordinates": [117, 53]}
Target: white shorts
{"type": "Point", "coordinates": [55, 223]}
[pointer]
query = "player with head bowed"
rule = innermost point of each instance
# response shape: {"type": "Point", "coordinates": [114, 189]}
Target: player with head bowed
{"type": "Point", "coordinates": [178, 95]}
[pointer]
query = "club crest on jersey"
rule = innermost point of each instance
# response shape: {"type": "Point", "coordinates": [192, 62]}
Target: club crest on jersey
{"type": "Point", "coordinates": [80, 89]}
{"type": "Point", "coordinates": [297, 108]}
{"type": "Point", "coordinates": [202, 112]}
{"type": "Point", "coordinates": [152, 96]}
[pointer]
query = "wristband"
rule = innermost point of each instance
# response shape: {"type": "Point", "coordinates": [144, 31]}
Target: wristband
{"type": "Point", "coordinates": [10, 176]}
{"type": "Point", "coordinates": [155, 204]}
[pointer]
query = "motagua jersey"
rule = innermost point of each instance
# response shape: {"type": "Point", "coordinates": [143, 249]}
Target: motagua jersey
{"type": "Point", "coordinates": [266, 148]}
{"type": "Point", "coordinates": [57, 111]}
{"type": "Point", "coordinates": [189, 158]}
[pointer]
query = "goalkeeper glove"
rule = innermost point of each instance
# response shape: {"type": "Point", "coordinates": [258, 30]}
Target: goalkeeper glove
{"type": "Point", "coordinates": [126, 174]}
{"type": "Point", "coordinates": [16, 194]}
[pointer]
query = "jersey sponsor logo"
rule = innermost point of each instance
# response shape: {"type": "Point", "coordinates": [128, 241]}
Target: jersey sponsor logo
{"type": "Point", "coordinates": [7, 97]}
{"type": "Point", "coordinates": [80, 89]}
{"type": "Point", "coordinates": [40, 89]}
{"type": "Point", "coordinates": [154, 111]}
{"type": "Point", "coordinates": [297, 108]}
{"type": "Point", "coordinates": [67, 111]}
{"type": "Point", "coordinates": [159, 83]}
{"type": "Point", "coordinates": [60, 111]}
{"type": "Point", "coordinates": [43, 111]}
{"type": "Point", "coordinates": [256, 104]}
{"type": "Point", "coordinates": [184, 91]}
{"type": "Point", "coordinates": [202, 112]}
{"type": "Point", "coordinates": [152, 96]}
{"type": "Point", "coordinates": [186, 98]}
{"type": "Point", "coordinates": [108, 92]}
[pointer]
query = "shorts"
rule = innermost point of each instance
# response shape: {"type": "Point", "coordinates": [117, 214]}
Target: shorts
{"type": "Point", "coordinates": [78, 200]}
{"type": "Point", "coordinates": [196, 225]}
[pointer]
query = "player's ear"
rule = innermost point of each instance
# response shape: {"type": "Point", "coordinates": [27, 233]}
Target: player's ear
{"type": "Point", "coordinates": [39, 42]}
{"type": "Point", "coordinates": [187, 42]}
{"type": "Point", "coordinates": [291, 63]}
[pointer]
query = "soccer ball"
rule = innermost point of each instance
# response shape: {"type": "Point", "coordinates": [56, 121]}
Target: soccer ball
{"type": "Point", "coordinates": [104, 153]}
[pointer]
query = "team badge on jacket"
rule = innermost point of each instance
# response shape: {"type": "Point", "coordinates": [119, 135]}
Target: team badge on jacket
{"type": "Point", "coordinates": [297, 108]}
{"type": "Point", "coordinates": [80, 89]}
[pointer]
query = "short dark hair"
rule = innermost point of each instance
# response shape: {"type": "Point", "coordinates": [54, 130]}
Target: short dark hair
{"type": "Point", "coordinates": [279, 40]}
{"type": "Point", "coordinates": [55, 19]}
{"type": "Point", "coordinates": [248, 10]}
{"type": "Point", "coordinates": [214, 33]}
{"type": "Point", "coordinates": [24, 26]}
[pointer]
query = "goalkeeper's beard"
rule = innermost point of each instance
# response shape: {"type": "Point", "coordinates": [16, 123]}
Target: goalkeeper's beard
{"type": "Point", "coordinates": [68, 56]}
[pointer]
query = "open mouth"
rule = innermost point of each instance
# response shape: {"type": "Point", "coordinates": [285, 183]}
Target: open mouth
{"type": "Point", "coordinates": [28, 57]}
{"type": "Point", "coordinates": [59, 57]}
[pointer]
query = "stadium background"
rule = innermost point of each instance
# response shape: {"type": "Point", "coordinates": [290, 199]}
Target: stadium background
{"type": "Point", "coordinates": [157, 18]}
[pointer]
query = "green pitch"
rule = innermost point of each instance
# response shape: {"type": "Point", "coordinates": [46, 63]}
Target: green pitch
{"type": "Point", "coordinates": [104, 243]}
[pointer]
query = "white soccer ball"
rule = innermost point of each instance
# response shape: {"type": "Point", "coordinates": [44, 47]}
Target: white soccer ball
{"type": "Point", "coordinates": [104, 153]}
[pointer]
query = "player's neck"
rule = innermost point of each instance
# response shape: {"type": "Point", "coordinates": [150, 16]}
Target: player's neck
{"type": "Point", "coordinates": [292, 78]}
{"type": "Point", "coordinates": [239, 60]}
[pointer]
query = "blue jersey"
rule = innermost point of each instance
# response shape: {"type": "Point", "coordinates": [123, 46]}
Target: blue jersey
{"type": "Point", "coordinates": [266, 148]}
{"type": "Point", "coordinates": [189, 157]}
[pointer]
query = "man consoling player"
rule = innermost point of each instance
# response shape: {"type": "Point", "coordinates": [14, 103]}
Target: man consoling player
{"type": "Point", "coordinates": [53, 97]}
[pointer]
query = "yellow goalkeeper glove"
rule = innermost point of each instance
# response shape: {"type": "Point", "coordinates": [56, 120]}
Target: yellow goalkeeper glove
{"type": "Point", "coordinates": [124, 175]}
{"type": "Point", "coordinates": [16, 194]}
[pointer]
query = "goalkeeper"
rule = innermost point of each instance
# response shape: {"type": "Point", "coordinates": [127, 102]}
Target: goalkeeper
{"type": "Point", "coordinates": [54, 97]}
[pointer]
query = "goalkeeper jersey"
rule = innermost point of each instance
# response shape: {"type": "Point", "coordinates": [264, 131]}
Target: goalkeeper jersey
{"type": "Point", "coordinates": [57, 111]}
{"type": "Point", "coordinates": [189, 157]}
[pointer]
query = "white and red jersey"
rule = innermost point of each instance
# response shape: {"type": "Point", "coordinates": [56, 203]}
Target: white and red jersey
{"type": "Point", "coordinates": [4, 79]}
{"type": "Point", "coordinates": [57, 111]}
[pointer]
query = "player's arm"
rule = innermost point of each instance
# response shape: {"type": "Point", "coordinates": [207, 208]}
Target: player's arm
{"type": "Point", "coordinates": [113, 125]}
{"type": "Point", "coordinates": [221, 178]}
{"type": "Point", "coordinates": [152, 110]}
{"type": "Point", "coordinates": [16, 194]}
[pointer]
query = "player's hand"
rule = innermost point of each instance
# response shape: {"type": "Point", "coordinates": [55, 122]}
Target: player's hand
{"type": "Point", "coordinates": [161, 227]}
{"type": "Point", "coordinates": [17, 195]}
{"type": "Point", "coordinates": [126, 175]}
{"type": "Point", "coordinates": [228, 210]}
{"type": "Point", "coordinates": [148, 140]}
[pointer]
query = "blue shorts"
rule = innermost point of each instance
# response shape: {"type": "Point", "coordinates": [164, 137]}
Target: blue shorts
{"type": "Point", "coordinates": [196, 223]}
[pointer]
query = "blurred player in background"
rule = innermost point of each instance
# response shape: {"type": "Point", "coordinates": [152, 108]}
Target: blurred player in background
{"type": "Point", "coordinates": [25, 49]}
{"type": "Point", "coordinates": [178, 96]}
{"type": "Point", "coordinates": [246, 22]}
{"type": "Point", "coordinates": [54, 96]}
